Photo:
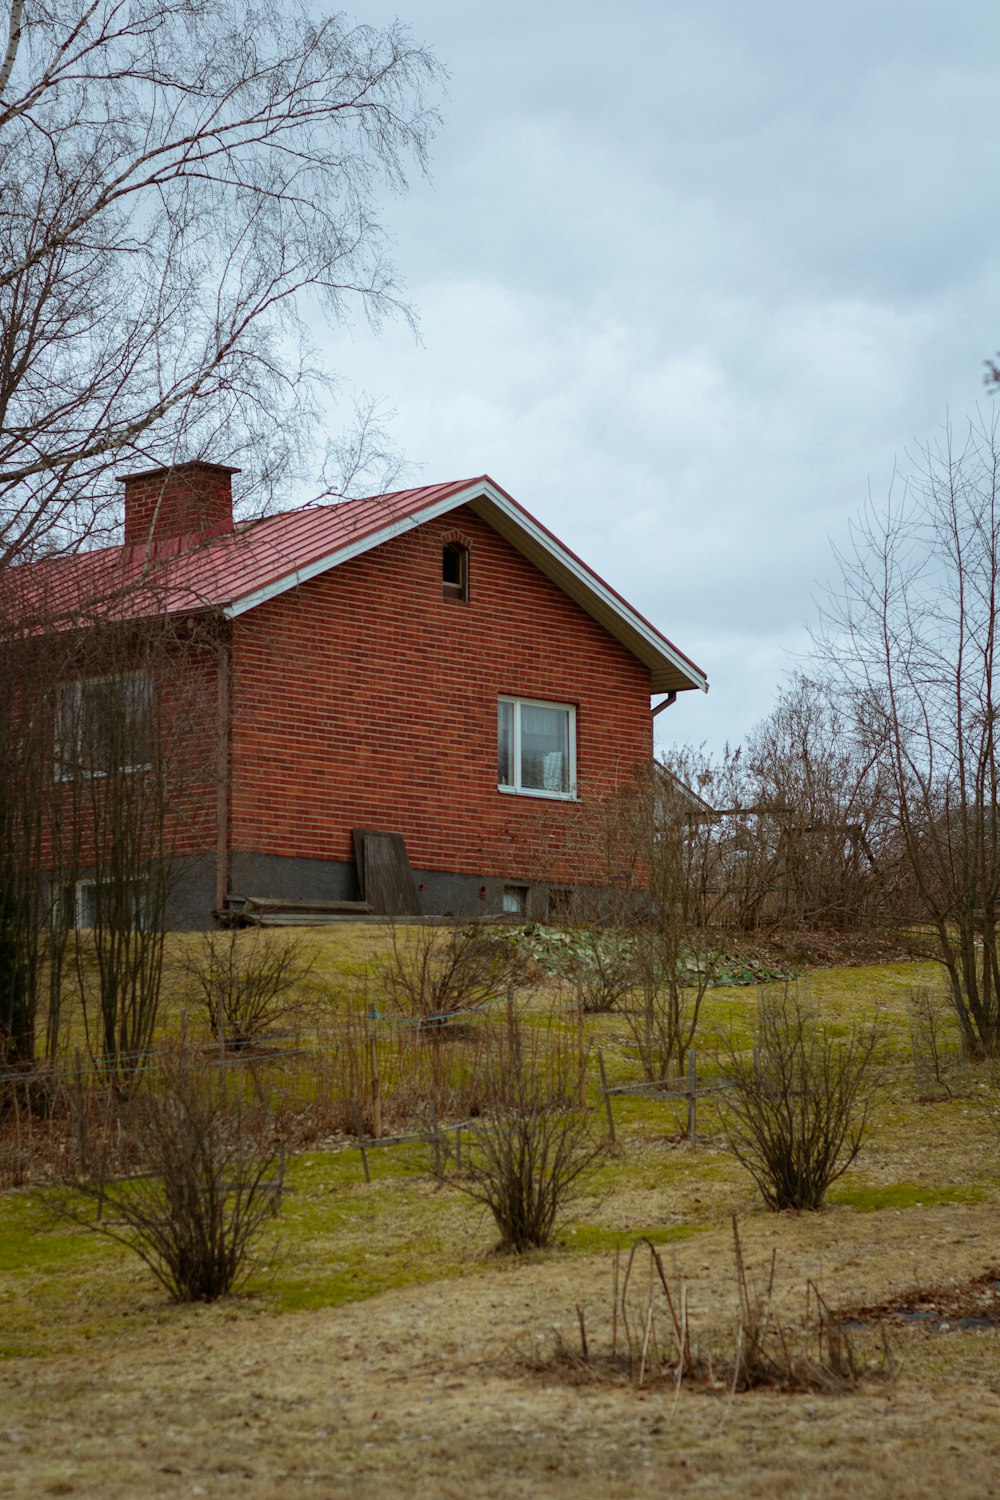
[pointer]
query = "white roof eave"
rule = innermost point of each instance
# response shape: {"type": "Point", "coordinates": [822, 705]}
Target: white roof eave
{"type": "Point", "coordinates": [669, 671]}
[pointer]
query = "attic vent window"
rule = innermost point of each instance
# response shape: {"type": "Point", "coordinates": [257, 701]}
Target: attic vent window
{"type": "Point", "coordinates": [455, 571]}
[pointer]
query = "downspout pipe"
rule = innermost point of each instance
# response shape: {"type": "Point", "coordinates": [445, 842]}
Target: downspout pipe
{"type": "Point", "coordinates": [223, 766]}
{"type": "Point", "coordinates": [668, 702]}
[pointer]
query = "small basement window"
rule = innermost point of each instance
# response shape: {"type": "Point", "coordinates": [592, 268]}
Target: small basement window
{"type": "Point", "coordinates": [515, 900]}
{"type": "Point", "coordinates": [560, 904]}
{"type": "Point", "coordinates": [85, 904]}
{"type": "Point", "coordinates": [455, 571]}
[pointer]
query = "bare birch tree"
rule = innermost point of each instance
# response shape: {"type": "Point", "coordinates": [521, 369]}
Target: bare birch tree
{"type": "Point", "coordinates": [814, 836]}
{"type": "Point", "coordinates": [185, 186]}
{"type": "Point", "coordinates": [911, 633]}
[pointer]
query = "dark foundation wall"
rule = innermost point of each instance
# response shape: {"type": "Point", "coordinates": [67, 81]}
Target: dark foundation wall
{"type": "Point", "coordinates": [192, 895]}
{"type": "Point", "coordinates": [190, 898]}
{"type": "Point", "coordinates": [442, 893]}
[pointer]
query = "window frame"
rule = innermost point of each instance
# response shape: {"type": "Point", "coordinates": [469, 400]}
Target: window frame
{"type": "Point", "coordinates": [70, 748]}
{"type": "Point", "coordinates": [516, 789]}
{"type": "Point", "coordinates": [514, 899]}
{"type": "Point", "coordinates": [456, 593]}
{"type": "Point", "coordinates": [81, 894]}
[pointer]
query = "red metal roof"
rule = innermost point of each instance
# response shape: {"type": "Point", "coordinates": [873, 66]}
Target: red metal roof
{"type": "Point", "coordinates": [263, 558]}
{"type": "Point", "coordinates": [174, 577]}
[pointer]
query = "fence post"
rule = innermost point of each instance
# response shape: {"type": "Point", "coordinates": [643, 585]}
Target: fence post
{"type": "Point", "coordinates": [581, 1048]}
{"type": "Point", "coordinates": [361, 1140]}
{"type": "Point", "coordinates": [513, 1040]}
{"type": "Point", "coordinates": [436, 1143]}
{"type": "Point", "coordinates": [692, 1098]}
{"type": "Point", "coordinates": [376, 1085]}
{"type": "Point", "coordinates": [78, 1092]}
{"type": "Point", "coordinates": [607, 1096]}
{"type": "Point", "coordinates": [220, 1021]}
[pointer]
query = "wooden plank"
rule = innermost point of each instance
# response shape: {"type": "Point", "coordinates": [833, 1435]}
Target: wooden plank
{"type": "Point", "coordinates": [358, 839]}
{"type": "Point", "coordinates": [384, 873]}
{"type": "Point", "coordinates": [280, 903]}
{"type": "Point", "coordinates": [304, 918]}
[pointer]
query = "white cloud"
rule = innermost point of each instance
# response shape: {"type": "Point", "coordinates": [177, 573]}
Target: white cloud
{"type": "Point", "coordinates": [689, 280]}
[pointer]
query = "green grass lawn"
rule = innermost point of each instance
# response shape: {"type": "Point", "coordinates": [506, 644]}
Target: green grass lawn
{"type": "Point", "coordinates": [340, 1240]}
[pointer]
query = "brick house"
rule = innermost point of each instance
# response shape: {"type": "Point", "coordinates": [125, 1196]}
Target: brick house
{"type": "Point", "coordinates": [431, 663]}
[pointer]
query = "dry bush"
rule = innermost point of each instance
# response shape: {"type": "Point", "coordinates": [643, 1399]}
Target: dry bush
{"type": "Point", "coordinates": [653, 1340]}
{"type": "Point", "coordinates": [434, 973]}
{"type": "Point", "coordinates": [247, 981]}
{"type": "Point", "coordinates": [392, 1073]}
{"type": "Point", "coordinates": [33, 1120]}
{"type": "Point", "coordinates": [936, 1043]}
{"type": "Point", "coordinates": [664, 1009]}
{"type": "Point", "coordinates": [600, 963]}
{"type": "Point", "coordinates": [821, 1356]}
{"type": "Point", "coordinates": [795, 1111]}
{"type": "Point", "coordinates": [533, 1142]}
{"type": "Point", "coordinates": [657, 843]}
{"type": "Point", "coordinates": [213, 1174]}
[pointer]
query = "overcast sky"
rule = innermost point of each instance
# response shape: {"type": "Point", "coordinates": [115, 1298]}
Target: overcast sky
{"type": "Point", "coordinates": [690, 279]}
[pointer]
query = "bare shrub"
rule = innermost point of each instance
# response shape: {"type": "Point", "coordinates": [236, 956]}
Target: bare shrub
{"type": "Point", "coordinates": [247, 981]}
{"type": "Point", "coordinates": [936, 1043]}
{"type": "Point", "coordinates": [653, 1340]}
{"type": "Point", "coordinates": [657, 843]}
{"type": "Point", "coordinates": [213, 1174]}
{"type": "Point", "coordinates": [601, 966]}
{"type": "Point", "coordinates": [795, 1113]}
{"type": "Point", "coordinates": [665, 1007]}
{"type": "Point", "coordinates": [533, 1143]}
{"type": "Point", "coordinates": [434, 972]}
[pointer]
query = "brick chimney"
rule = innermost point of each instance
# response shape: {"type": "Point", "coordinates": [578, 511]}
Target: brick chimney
{"type": "Point", "coordinates": [193, 501]}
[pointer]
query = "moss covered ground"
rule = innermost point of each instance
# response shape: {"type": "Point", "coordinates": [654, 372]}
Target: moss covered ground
{"type": "Point", "coordinates": [927, 1178]}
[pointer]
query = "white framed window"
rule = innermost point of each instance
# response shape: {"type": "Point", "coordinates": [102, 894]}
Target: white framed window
{"type": "Point", "coordinates": [86, 905]}
{"type": "Point", "coordinates": [536, 748]}
{"type": "Point", "coordinates": [104, 724]}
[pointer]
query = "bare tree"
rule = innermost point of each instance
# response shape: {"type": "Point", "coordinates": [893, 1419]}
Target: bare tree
{"type": "Point", "coordinates": [656, 842]}
{"type": "Point", "coordinates": [674, 942]}
{"type": "Point", "coordinates": [134, 726]}
{"type": "Point", "coordinates": [911, 634]}
{"type": "Point", "coordinates": [184, 184]}
{"type": "Point", "coordinates": [815, 829]}
{"type": "Point", "coordinates": [31, 944]}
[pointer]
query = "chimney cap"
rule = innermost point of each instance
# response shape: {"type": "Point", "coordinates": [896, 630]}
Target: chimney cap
{"type": "Point", "coordinates": [178, 468]}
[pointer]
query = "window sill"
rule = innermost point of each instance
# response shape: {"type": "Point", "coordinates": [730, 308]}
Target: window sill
{"type": "Point", "coordinates": [516, 791]}
{"type": "Point", "coordinates": [83, 775]}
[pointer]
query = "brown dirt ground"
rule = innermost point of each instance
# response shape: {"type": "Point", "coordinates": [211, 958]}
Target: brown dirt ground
{"type": "Point", "coordinates": [426, 1392]}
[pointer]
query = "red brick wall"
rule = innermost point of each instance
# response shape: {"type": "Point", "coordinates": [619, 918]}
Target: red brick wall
{"type": "Point", "coordinates": [172, 808]}
{"type": "Point", "coordinates": [192, 499]}
{"type": "Point", "coordinates": [365, 699]}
